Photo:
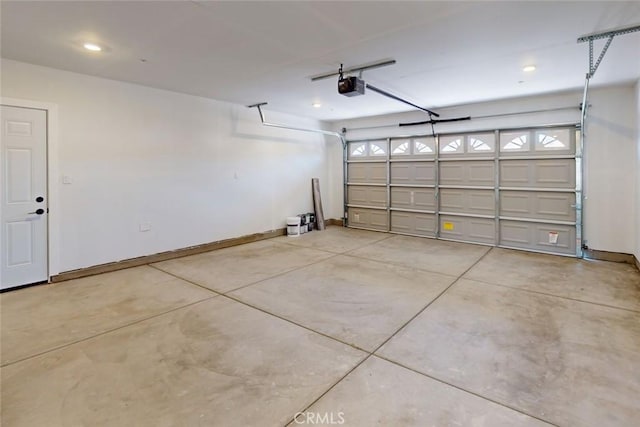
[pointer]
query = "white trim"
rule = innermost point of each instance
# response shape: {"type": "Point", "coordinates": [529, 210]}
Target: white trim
{"type": "Point", "coordinates": [52, 176]}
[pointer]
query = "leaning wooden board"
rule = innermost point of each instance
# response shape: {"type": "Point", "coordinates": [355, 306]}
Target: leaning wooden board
{"type": "Point", "coordinates": [317, 203]}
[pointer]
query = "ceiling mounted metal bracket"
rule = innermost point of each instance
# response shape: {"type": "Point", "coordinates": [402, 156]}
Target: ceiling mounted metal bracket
{"type": "Point", "coordinates": [282, 126]}
{"type": "Point", "coordinates": [609, 35]}
{"type": "Point", "coordinates": [359, 68]}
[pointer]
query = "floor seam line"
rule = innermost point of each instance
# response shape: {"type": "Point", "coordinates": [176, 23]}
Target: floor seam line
{"type": "Point", "coordinates": [185, 280]}
{"type": "Point", "coordinates": [406, 266]}
{"type": "Point", "coordinates": [225, 293]}
{"type": "Point", "coordinates": [432, 301]}
{"type": "Point", "coordinates": [484, 282]}
{"type": "Point", "coordinates": [462, 389]}
{"type": "Point", "coordinates": [333, 255]}
{"type": "Point", "coordinates": [421, 270]}
{"type": "Point", "coordinates": [239, 301]}
{"type": "Point", "coordinates": [392, 335]}
{"type": "Point", "coordinates": [371, 243]}
{"type": "Point", "coordinates": [368, 356]}
{"type": "Point", "coordinates": [298, 246]}
{"type": "Point", "coordinates": [110, 330]}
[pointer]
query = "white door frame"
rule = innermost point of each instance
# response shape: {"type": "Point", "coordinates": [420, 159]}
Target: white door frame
{"type": "Point", "coordinates": [53, 262]}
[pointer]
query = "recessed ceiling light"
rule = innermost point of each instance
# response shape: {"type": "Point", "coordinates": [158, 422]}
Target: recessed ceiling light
{"type": "Point", "coordinates": [316, 105]}
{"type": "Point", "coordinates": [92, 47]}
{"type": "Point", "coordinates": [529, 68]}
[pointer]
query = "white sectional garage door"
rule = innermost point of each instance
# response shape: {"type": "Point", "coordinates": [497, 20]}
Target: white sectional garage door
{"type": "Point", "coordinates": [511, 188]}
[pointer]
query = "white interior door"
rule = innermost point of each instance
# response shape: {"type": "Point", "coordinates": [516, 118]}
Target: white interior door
{"type": "Point", "coordinates": [24, 196]}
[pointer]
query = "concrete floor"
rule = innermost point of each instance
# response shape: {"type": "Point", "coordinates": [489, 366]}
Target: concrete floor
{"type": "Point", "coordinates": [342, 325]}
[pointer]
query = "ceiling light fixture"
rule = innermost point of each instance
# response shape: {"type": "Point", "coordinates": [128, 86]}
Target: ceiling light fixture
{"type": "Point", "coordinates": [92, 47]}
{"type": "Point", "coordinates": [316, 105]}
{"type": "Point", "coordinates": [529, 68]}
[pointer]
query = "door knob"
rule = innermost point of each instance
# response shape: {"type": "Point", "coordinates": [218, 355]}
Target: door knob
{"type": "Point", "coordinates": [39, 199]}
{"type": "Point", "coordinates": [37, 212]}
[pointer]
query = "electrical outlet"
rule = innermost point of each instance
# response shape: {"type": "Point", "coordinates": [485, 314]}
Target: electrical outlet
{"type": "Point", "coordinates": [145, 226]}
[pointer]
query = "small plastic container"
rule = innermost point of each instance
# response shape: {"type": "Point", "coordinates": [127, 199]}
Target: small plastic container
{"type": "Point", "coordinates": [293, 226]}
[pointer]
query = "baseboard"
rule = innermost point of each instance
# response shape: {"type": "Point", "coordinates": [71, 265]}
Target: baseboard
{"type": "Point", "coordinates": [163, 256]}
{"type": "Point", "coordinates": [334, 221]}
{"type": "Point", "coordinates": [610, 256]}
{"type": "Point", "coordinates": [178, 253]}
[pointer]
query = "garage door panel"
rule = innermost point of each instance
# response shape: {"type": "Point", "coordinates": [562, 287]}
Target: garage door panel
{"type": "Point", "coordinates": [368, 196]}
{"type": "Point", "coordinates": [514, 173]}
{"type": "Point", "coordinates": [368, 173]}
{"type": "Point", "coordinates": [538, 236]}
{"type": "Point", "coordinates": [424, 173]}
{"type": "Point", "coordinates": [413, 223]}
{"type": "Point", "coordinates": [480, 202]}
{"type": "Point", "coordinates": [446, 187]}
{"type": "Point", "coordinates": [480, 230]}
{"type": "Point", "coordinates": [413, 198]}
{"type": "Point", "coordinates": [400, 173]}
{"type": "Point", "coordinates": [425, 224]}
{"type": "Point", "coordinates": [401, 222]}
{"type": "Point", "coordinates": [555, 173]}
{"type": "Point", "coordinates": [368, 218]}
{"type": "Point", "coordinates": [515, 203]}
{"type": "Point", "coordinates": [560, 206]}
{"type": "Point", "coordinates": [452, 173]}
{"type": "Point", "coordinates": [475, 173]}
{"type": "Point", "coordinates": [483, 202]}
{"type": "Point", "coordinates": [425, 199]}
{"type": "Point", "coordinates": [540, 205]}
{"type": "Point", "coordinates": [419, 173]}
{"type": "Point", "coordinates": [401, 197]}
{"type": "Point", "coordinates": [452, 200]}
{"type": "Point", "coordinates": [549, 173]}
{"type": "Point", "coordinates": [357, 172]}
{"type": "Point", "coordinates": [481, 173]}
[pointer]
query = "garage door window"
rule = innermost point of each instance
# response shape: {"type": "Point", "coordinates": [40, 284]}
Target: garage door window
{"type": "Point", "coordinates": [552, 140]}
{"type": "Point", "coordinates": [377, 149]}
{"type": "Point", "coordinates": [358, 150]}
{"type": "Point", "coordinates": [423, 146]}
{"type": "Point", "coordinates": [481, 143]}
{"type": "Point", "coordinates": [451, 144]}
{"type": "Point", "coordinates": [512, 141]}
{"type": "Point", "coordinates": [400, 148]}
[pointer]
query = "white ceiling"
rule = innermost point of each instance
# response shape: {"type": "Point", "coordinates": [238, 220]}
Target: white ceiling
{"type": "Point", "coordinates": [246, 52]}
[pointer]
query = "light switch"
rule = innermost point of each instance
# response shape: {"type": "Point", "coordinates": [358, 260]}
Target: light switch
{"type": "Point", "coordinates": [145, 226]}
{"type": "Point", "coordinates": [66, 179]}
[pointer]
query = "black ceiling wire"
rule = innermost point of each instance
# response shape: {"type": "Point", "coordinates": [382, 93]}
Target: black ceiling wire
{"type": "Point", "coordinates": [434, 121]}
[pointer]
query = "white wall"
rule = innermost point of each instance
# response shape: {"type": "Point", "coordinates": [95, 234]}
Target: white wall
{"type": "Point", "coordinates": [610, 151]}
{"type": "Point", "coordinates": [637, 210]}
{"type": "Point", "coordinates": [610, 170]}
{"type": "Point", "coordinates": [196, 169]}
